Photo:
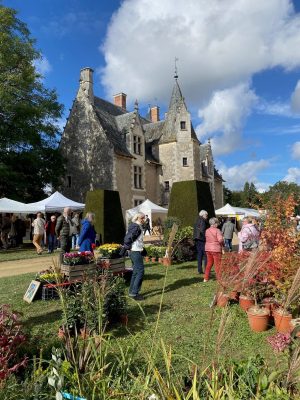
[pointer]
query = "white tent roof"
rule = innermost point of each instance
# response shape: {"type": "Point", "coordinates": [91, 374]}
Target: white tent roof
{"type": "Point", "coordinates": [55, 202]}
{"type": "Point", "coordinates": [231, 211]}
{"type": "Point", "coordinates": [228, 210]}
{"type": "Point", "coordinates": [148, 208]}
{"type": "Point", "coordinates": [11, 206]}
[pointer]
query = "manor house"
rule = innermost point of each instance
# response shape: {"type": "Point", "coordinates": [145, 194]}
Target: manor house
{"type": "Point", "coordinates": [108, 147]}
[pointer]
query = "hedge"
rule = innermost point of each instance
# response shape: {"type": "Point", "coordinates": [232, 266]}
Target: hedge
{"type": "Point", "coordinates": [187, 198]}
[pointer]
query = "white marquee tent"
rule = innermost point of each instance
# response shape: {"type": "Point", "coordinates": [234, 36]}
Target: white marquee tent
{"type": "Point", "coordinates": [11, 206]}
{"type": "Point", "coordinates": [238, 212]}
{"type": "Point", "coordinates": [55, 202]}
{"type": "Point", "coordinates": [153, 211]}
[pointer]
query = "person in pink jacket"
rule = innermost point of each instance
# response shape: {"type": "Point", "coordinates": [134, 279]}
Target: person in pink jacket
{"type": "Point", "coordinates": [213, 246]}
{"type": "Point", "coordinates": [248, 236]}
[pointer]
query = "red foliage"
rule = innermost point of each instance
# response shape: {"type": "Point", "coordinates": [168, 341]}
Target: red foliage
{"type": "Point", "coordinates": [11, 337]}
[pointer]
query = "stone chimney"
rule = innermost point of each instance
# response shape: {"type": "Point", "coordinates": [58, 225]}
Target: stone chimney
{"type": "Point", "coordinates": [154, 114]}
{"type": "Point", "coordinates": [120, 100]}
{"type": "Point", "coordinates": [86, 84]}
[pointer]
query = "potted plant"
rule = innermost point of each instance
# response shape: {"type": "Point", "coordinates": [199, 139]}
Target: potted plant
{"type": "Point", "coordinates": [110, 250]}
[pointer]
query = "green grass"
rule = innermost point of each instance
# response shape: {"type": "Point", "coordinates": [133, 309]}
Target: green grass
{"type": "Point", "coordinates": [186, 322]}
{"type": "Point", "coordinates": [26, 252]}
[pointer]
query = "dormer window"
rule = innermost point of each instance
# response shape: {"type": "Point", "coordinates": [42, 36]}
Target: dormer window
{"type": "Point", "coordinates": [137, 145]}
{"type": "Point", "coordinates": [184, 162]}
{"type": "Point", "coordinates": [183, 125]}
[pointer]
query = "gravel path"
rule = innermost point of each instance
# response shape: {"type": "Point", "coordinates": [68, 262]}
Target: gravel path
{"type": "Point", "coordinates": [18, 267]}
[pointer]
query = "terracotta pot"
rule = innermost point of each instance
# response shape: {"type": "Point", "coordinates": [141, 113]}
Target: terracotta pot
{"type": "Point", "coordinates": [295, 323]}
{"type": "Point", "coordinates": [167, 261]}
{"type": "Point", "coordinates": [233, 295]}
{"type": "Point", "coordinates": [147, 259]}
{"type": "Point", "coordinates": [160, 260]}
{"type": "Point", "coordinates": [282, 320]}
{"type": "Point", "coordinates": [84, 333]}
{"type": "Point", "coordinates": [222, 299]}
{"type": "Point", "coordinates": [153, 259]}
{"type": "Point", "coordinates": [246, 302]}
{"type": "Point", "coordinates": [269, 303]}
{"type": "Point", "coordinates": [61, 333]}
{"type": "Point", "coordinates": [258, 318]}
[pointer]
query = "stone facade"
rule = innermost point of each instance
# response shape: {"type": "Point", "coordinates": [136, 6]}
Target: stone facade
{"type": "Point", "coordinates": [107, 147]}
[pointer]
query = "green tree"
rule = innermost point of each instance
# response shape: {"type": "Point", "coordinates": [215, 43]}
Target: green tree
{"type": "Point", "coordinates": [236, 198]}
{"type": "Point", "coordinates": [284, 189]}
{"type": "Point", "coordinates": [227, 194]}
{"type": "Point", "coordinates": [250, 195]}
{"type": "Point", "coordinates": [29, 155]}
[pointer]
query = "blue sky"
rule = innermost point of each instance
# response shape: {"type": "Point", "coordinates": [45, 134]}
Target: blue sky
{"type": "Point", "coordinates": [239, 69]}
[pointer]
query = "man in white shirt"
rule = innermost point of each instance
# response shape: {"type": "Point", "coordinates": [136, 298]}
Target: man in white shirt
{"type": "Point", "coordinates": [38, 232]}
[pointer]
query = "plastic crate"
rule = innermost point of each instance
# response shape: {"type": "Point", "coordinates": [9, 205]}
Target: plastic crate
{"type": "Point", "coordinates": [49, 292]}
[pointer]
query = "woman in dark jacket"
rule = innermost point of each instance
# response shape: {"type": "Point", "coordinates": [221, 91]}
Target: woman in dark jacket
{"type": "Point", "coordinates": [88, 234]}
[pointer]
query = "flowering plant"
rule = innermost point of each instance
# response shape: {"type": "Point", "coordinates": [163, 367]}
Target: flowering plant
{"type": "Point", "coordinates": [110, 250]}
{"type": "Point", "coordinates": [49, 276]}
{"type": "Point", "coordinates": [280, 341]}
{"type": "Point", "coordinates": [83, 257]}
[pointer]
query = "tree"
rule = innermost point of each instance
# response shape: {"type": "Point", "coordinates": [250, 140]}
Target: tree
{"type": "Point", "coordinates": [227, 194]}
{"type": "Point", "coordinates": [249, 195]}
{"type": "Point", "coordinates": [29, 155]}
{"type": "Point", "coordinates": [283, 190]}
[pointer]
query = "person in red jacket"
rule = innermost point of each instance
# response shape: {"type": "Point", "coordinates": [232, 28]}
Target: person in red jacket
{"type": "Point", "coordinates": [213, 246]}
{"type": "Point", "coordinates": [50, 231]}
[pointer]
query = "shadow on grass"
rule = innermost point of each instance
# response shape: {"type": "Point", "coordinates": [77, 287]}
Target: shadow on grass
{"type": "Point", "coordinates": [43, 319]}
{"type": "Point", "coordinates": [151, 277]}
{"type": "Point", "coordinates": [137, 321]}
{"type": "Point", "coordinates": [173, 286]}
{"type": "Point", "coordinates": [189, 266]}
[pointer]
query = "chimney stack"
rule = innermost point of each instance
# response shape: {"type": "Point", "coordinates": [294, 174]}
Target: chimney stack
{"type": "Point", "coordinates": [154, 114]}
{"type": "Point", "coordinates": [120, 100]}
{"type": "Point", "coordinates": [86, 84]}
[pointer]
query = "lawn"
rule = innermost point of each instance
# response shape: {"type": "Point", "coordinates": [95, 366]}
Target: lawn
{"type": "Point", "coordinates": [20, 253]}
{"type": "Point", "coordinates": [187, 323]}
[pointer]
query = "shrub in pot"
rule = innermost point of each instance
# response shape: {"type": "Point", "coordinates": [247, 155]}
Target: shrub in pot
{"type": "Point", "coordinates": [258, 318]}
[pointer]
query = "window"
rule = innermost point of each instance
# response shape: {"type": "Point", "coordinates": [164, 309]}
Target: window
{"type": "Point", "coordinates": [184, 162]}
{"type": "Point", "coordinates": [182, 125]}
{"type": "Point", "coordinates": [137, 176]}
{"type": "Point", "coordinates": [167, 186]}
{"type": "Point", "coordinates": [137, 202]}
{"type": "Point", "coordinates": [137, 145]}
{"type": "Point", "coordinates": [69, 181]}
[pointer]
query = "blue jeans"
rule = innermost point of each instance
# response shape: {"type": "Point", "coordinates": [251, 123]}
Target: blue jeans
{"type": "Point", "coordinates": [228, 244]}
{"type": "Point", "coordinates": [137, 273]}
{"type": "Point", "coordinates": [201, 255]}
{"type": "Point", "coordinates": [75, 238]}
{"type": "Point", "coordinates": [51, 242]}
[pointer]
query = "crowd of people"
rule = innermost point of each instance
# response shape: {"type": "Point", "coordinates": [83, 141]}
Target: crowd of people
{"type": "Point", "coordinates": [212, 239]}
{"type": "Point", "coordinates": [65, 232]}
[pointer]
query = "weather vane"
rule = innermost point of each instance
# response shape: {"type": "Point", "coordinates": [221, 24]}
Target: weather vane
{"type": "Point", "coordinates": [176, 72]}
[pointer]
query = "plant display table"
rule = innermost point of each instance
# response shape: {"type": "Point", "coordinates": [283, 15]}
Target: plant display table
{"type": "Point", "coordinates": [79, 271]}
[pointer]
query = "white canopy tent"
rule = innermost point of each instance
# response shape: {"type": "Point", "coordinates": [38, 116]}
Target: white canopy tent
{"type": "Point", "coordinates": [153, 211]}
{"type": "Point", "coordinates": [11, 206]}
{"type": "Point", "coordinates": [238, 212]}
{"type": "Point", "coordinates": [55, 202]}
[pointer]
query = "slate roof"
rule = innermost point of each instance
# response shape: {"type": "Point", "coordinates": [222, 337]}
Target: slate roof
{"type": "Point", "coordinates": [153, 130]}
{"type": "Point", "coordinates": [107, 113]}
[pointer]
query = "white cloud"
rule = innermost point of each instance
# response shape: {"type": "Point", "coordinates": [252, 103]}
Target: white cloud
{"type": "Point", "coordinates": [296, 150]}
{"type": "Point", "coordinates": [43, 66]}
{"type": "Point", "coordinates": [237, 175]}
{"type": "Point", "coordinates": [219, 45]}
{"type": "Point", "coordinates": [293, 175]}
{"type": "Point", "coordinates": [295, 99]}
{"type": "Point", "coordinates": [226, 112]}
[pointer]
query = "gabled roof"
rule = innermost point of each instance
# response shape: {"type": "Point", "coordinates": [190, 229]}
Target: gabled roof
{"type": "Point", "coordinates": [107, 113]}
{"type": "Point", "coordinates": [153, 130]}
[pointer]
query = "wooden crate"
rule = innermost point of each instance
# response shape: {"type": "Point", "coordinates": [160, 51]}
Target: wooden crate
{"type": "Point", "coordinates": [112, 264]}
{"type": "Point", "coordinates": [77, 272]}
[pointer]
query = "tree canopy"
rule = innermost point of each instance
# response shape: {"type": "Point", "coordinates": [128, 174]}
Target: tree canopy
{"type": "Point", "coordinates": [29, 155]}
